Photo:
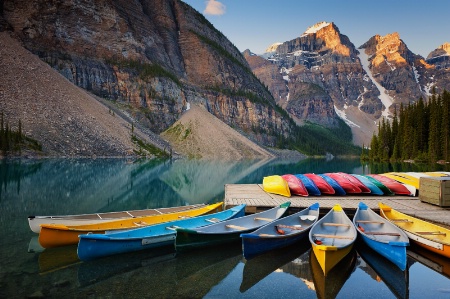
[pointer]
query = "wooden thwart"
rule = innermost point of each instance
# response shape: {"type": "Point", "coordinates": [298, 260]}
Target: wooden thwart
{"type": "Point", "coordinates": [336, 224]}
{"type": "Point", "coordinates": [402, 220]}
{"type": "Point", "coordinates": [331, 236]}
{"type": "Point", "coordinates": [235, 227]}
{"type": "Point", "coordinates": [432, 233]}
{"type": "Point", "coordinates": [290, 226]}
{"type": "Point", "coordinates": [382, 233]}
{"type": "Point", "coordinates": [265, 219]}
{"type": "Point", "coordinates": [369, 221]}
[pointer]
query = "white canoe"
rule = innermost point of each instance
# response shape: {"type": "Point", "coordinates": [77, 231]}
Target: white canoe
{"type": "Point", "coordinates": [83, 219]}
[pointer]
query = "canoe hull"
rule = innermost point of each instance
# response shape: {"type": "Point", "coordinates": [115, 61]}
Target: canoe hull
{"type": "Point", "coordinates": [85, 219]}
{"type": "Point", "coordinates": [266, 238]}
{"type": "Point", "coordinates": [396, 253]}
{"type": "Point", "coordinates": [423, 233]}
{"type": "Point", "coordinates": [332, 238]}
{"type": "Point", "coordinates": [226, 231]}
{"type": "Point", "coordinates": [381, 235]}
{"type": "Point", "coordinates": [329, 258]}
{"type": "Point", "coordinates": [93, 246]}
{"type": "Point", "coordinates": [61, 235]}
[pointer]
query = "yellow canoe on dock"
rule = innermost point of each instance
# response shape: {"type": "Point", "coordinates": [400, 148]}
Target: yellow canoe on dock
{"type": "Point", "coordinates": [425, 234]}
{"type": "Point", "coordinates": [53, 235]}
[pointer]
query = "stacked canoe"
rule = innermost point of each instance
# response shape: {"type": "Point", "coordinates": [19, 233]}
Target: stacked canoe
{"type": "Point", "coordinates": [340, 183]}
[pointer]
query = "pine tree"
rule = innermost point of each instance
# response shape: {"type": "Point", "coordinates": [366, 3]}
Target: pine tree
{"type": "Point", "coordinates": [445, 125]}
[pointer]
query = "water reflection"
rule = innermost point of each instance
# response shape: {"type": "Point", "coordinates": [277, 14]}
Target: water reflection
{"type": "Point", "coordinates": [259, 267]}
{"type": "Point", "coordinates": [379, 268]}
{"type": "Point", "coordinates": [328, 287]}
{"type": "Point", "coordinates": [47, 187]}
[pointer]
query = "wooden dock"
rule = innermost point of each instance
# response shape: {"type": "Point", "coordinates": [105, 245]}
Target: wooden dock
{"type": "Point", "coordinates": [258, 200]}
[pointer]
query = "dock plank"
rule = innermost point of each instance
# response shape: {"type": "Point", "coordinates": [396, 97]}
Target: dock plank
{"type": "Point", "coordinates": [257, 200]}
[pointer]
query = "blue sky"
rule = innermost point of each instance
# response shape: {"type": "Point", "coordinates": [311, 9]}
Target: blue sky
{"type": "Point", "coordinates": [256, 24]}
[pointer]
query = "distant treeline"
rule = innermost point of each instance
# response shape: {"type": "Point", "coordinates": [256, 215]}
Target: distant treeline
{"type": "Point", "coordinates": [14, 141]}
{"type": "Point", "coordinates": [420, 132]}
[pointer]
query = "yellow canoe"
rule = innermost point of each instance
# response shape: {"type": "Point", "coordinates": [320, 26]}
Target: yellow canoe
{"type": "Point", "coordinates": [425, 234]}
{"type": "Point", "coordinates": [437, 174]}
{"type": "Point", "coordinates": [332, 238]}
{"type": "Point", "coordinates": [403, 178]}
{"type": "Point", "coordinates": [277, 185]}
{"type": "Point", "coordinates": [53, 235]}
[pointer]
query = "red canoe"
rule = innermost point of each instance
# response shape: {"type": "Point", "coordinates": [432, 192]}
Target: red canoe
{"type": "Point", "coordinates": [356, 182]}
{"type": "Point", "coordinates": [323, 186]}
{"type": "Point", "coordinates": [348, 186]}
{"type": "Point", "coordinates": [393, 185]}
{"type": "Point", "coordinates": [296, 186]}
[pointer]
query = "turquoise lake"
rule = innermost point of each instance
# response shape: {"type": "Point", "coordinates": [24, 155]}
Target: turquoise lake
{"type": "Point", "coordinates": [75, 186]}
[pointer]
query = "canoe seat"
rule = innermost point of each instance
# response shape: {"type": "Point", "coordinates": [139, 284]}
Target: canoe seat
{"type": "Point", "coordinates": [236, 227]}
{"type": "Point", "coordinates": [383, 233]}
{"type": "Point", "coordinates": [213, 220]}
{"type": "Point", "coordinates": [265, 219]}
{"type": "Point", "coordinates": [336, 224]}
{"type": "Point", "coordinates": [438, 233]}
{"type": "Point", "coordinates": [331, 236]}
{"type": "Point", "coordinates": [369, 221]}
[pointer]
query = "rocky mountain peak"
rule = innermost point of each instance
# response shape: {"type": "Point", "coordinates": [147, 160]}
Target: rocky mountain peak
{"type": "Point", "coordinates": [442, 50]}
{"type": "Point", "coordinates": [272, 47]}
{"type": "Point", "coordinates": [387, 49]}
{"type": "Point", "coordinates": [316, 27]}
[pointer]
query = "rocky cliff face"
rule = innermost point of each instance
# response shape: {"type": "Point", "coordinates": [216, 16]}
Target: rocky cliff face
{"type": "Point", "coordinates": [395, 67]}
{"type": "Point", "coordinates": [440, 74]}
{"type": "Point", "coordinates": [404, 76]}
{"type": "Point", "coordinates": [326, 76]}
{"type": "Point", "coordinates": [322, 76]}
{"type": "Point", "coordinates": [150, 57]}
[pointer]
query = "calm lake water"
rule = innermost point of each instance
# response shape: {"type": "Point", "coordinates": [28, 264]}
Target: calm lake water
{"type": "Point", "coordinates": [49, 187]}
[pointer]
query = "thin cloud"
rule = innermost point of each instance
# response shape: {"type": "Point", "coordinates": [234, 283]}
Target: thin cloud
{"type": "Point", "coordinates": [215, 8]}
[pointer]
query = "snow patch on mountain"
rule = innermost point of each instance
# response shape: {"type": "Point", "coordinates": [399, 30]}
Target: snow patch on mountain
{"type": "Point", "coordinates": [384, 97]}
{"type": "Point", "coordinates": [342, 114]}
{"type": "Point", "coordinates": [273, 47]}
{"type": "Point", "coordinates": [315, 28]}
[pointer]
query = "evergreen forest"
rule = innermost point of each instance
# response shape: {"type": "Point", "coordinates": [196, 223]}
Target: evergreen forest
{"type": "Point", "coordinates": [419, 131]}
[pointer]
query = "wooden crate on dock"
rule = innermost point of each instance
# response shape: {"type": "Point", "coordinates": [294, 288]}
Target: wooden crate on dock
{"type": "Point", "coordinates": [435, 190]}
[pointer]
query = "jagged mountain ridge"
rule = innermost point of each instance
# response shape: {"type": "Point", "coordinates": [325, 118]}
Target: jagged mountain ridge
{"type": "Point", "coordinates": [151, 57]}
{"type": "Point", "coordinates": [358, 86]}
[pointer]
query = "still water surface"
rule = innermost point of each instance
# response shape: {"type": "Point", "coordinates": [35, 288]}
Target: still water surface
{"type": "Point", "coordinates": [49, 187]}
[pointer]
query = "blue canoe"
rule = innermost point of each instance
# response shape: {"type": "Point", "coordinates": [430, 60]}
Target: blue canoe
{"type": "Point", "coordinates": [309, 184]}
{"type": "Point", "coordinates": [381, 235]}
{"type": "Point", "coordinates": [280, 233]}
{"type": "Point", "coordinates": [227, 231]}
{"type": "Point", "coordinates": [338, 190]}
{"type": "Point", "coordinates": [374, 190]}
{"type": "Point", "coordinates": [92, 246]}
